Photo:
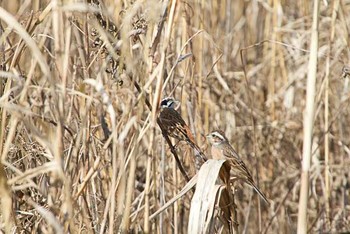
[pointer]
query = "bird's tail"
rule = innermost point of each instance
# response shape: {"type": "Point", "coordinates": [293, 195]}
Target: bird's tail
{"type": "Point", "coordinates": [200, 157]}
{"type": "Point", "coordinates": [262, 195]}
{"type": "Point", "coordinates": [198, 150]}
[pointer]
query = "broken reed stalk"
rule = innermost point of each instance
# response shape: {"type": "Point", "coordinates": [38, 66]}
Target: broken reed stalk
{"type": "Point", "coordinates": [308, 122]}
{"type": "Point", "coordinates": [211, 195]}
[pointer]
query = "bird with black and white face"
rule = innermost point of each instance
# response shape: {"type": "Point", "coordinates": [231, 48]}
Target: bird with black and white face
{"type": "Point", "coordinates": [221, 149]}
{"type": "Point", "coordinates": [169, 102]}
{"type": "Point", "coordinates": [173, 125]}
{"type": "Point", "coordinates": [172, 122]}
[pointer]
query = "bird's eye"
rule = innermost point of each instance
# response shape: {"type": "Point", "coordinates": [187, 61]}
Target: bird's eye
{"type": "Point", "coordinates": [164, 103]}
{"type": "Point", "coordinates": [217, 138]}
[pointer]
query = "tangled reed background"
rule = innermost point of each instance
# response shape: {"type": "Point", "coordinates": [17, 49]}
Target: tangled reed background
{"type": "Point", "coordinates": [82, 152]}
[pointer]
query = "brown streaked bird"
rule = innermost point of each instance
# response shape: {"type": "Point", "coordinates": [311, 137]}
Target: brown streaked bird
{"type": "Point", "coordinates": [173, 124]}
{"type": "Point", "coordinates": [221, 149]}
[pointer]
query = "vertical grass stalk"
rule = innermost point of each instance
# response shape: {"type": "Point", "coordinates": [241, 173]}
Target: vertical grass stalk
{"type": "Point", "coordinates": [308, 123]}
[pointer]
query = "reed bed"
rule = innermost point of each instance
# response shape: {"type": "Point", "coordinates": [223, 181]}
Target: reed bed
{"type": "Point", "coordinates": [81, 82]}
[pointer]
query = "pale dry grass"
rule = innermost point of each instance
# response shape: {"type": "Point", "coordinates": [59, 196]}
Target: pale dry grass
{"type": "Point", "coordinates": [80, 82]}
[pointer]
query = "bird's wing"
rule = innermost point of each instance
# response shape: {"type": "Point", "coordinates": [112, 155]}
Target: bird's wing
{"type": "Point", "coordinates": [172, 122]}
{"type": "Point", "coordinates": [237, 164]}
{"type": "Point", "coordinates": [240, 171]}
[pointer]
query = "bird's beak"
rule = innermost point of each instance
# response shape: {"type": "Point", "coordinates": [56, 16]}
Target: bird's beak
{"type": "Point", "coordinates": [177, 105]}
{"type": "Point", "coordinates": [208, 136]}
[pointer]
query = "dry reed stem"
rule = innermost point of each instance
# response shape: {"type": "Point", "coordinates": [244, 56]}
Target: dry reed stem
{"type": "Point", "coordinates": [308, 123]}
{"type": "Point", "coordinates": [6, 201]}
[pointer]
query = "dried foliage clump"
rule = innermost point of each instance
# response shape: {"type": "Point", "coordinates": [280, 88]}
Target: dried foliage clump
{"type": "Point", "coordinates": [81, 82]}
